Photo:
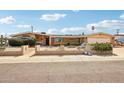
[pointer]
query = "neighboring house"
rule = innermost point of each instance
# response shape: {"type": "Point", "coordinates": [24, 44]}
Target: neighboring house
{"type": "Point", "coordinates": [119, 38]}
{"type": "Point", "coordinates": [45, 39]}
{"type": "Point", "coordinates": [100, 38]}
{"type": "Point", "coordinates": [119, 35]}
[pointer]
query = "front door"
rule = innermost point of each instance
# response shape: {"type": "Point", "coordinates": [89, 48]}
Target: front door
{"type": "Point", "coordinates": [47, 41]}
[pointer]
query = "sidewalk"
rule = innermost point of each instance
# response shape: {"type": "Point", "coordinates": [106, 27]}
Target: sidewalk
{"type": "Point", "coordinates": [67, 58]}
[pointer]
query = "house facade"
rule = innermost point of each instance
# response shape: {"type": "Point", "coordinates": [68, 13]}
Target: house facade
{"type": "Point", "coordinates": [53, 40]}
{"type": "Point", "coordinates": [67, 40]}
{"type": "Point", "coordinates": [119, 35]}
{"type": "Point", "coordinates": [101, 38]}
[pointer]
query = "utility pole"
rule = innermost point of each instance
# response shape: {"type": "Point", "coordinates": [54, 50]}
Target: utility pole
{"type": "Point", "coordinates": [117, 30]}
{"type": "Point", "coordinates": [32, 29]}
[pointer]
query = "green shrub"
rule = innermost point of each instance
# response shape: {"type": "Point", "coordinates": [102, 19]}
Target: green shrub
{"type": "Point", "coordinates": [15, 42]}
{"type": "Point", "coordinates": [31, 42]}
{"type": "Point", "coordinates": [28, 41]}
{"type": "Point", "coordinates": [19, 41]}
{"type": "Point", "coordinates": [102, 47]}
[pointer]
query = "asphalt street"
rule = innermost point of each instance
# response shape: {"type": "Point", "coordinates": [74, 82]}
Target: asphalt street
{"type": "Point", "coordinates": [62, 72]}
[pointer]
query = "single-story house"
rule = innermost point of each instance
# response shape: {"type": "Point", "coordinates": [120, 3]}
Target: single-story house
{"type": "Point", "coordinates": [100, 38]}
{"type": "Point", "coordinates": [119, 39]}
{"type": "Point", "coordinates": [46, 39]}
{"type": "Point", "coordinates": [119, 35]}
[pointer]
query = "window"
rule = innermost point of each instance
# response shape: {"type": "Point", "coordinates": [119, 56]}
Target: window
{"type": "Point", "coordinates": [58, 39]}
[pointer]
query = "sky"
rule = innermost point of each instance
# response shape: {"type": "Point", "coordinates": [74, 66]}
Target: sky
{"type": "Point", "coordinates": [61, 21]}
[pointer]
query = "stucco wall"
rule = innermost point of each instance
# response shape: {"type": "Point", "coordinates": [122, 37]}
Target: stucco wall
{"type": "Point", "coordinates": [14, 51]}
{"type": "Point", "coordinates": [99, 40]}
{"type": "Point", "coordinates": [57, 51]}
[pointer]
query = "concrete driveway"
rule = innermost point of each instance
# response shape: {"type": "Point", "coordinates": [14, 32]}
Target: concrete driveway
{"type": "Point", "coordinates": [69, 72]}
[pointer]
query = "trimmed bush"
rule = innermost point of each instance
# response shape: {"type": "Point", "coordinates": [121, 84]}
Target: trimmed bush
{"type": "Point", "coordinates": [28, 41]}
{"type": "Point", "coordinates": [19, 41]}
{"type": "Point", "coordinates": [102, 47]}
{"type": "Point", "coordinates": [15, 42]}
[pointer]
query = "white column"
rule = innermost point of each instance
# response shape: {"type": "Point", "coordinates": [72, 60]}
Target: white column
{"type": "Point", "coordinates": [49, 40]}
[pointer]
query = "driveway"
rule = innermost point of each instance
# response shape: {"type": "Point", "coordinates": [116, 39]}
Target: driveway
{"type": "Point", "coordinates": [69, 72]}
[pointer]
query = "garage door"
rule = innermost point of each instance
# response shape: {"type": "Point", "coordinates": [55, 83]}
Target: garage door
{"type": "Point", "coordinates": [99, 40]}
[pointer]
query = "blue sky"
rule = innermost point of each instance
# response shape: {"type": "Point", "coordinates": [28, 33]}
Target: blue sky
{"type": "Point", "coordinates": [61, 21]}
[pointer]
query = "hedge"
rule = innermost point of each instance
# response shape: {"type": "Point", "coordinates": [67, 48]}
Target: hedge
{"type": "Point", "coordinates": [19, 41]}
{"type": "Point", "coordinates": [102, 47]}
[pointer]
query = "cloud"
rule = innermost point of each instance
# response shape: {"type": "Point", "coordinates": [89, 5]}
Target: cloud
{"type": "Point", "coordinates": [52, 17]}
{"type": "Point", "coordinates": [37, 31]}
{"type": "Point", "coordinates": [101, 26]}
{"type": "Point", "coordinates": [73, 29]}
{"type": "Point", "coordinates": [69, 30]}
{"type": "Point", "coordinates": [122, 16]}
{"type": "Point", "coordinates": [107, 24]}
{"type": "Point", "coordinates": [7, 20]}
{"type": "Point", "coordinates": [52, 31]}
{"type": "Point", "coordinates": [23, 26]}
{"type": "Point", "coordinates": [75, 10]}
